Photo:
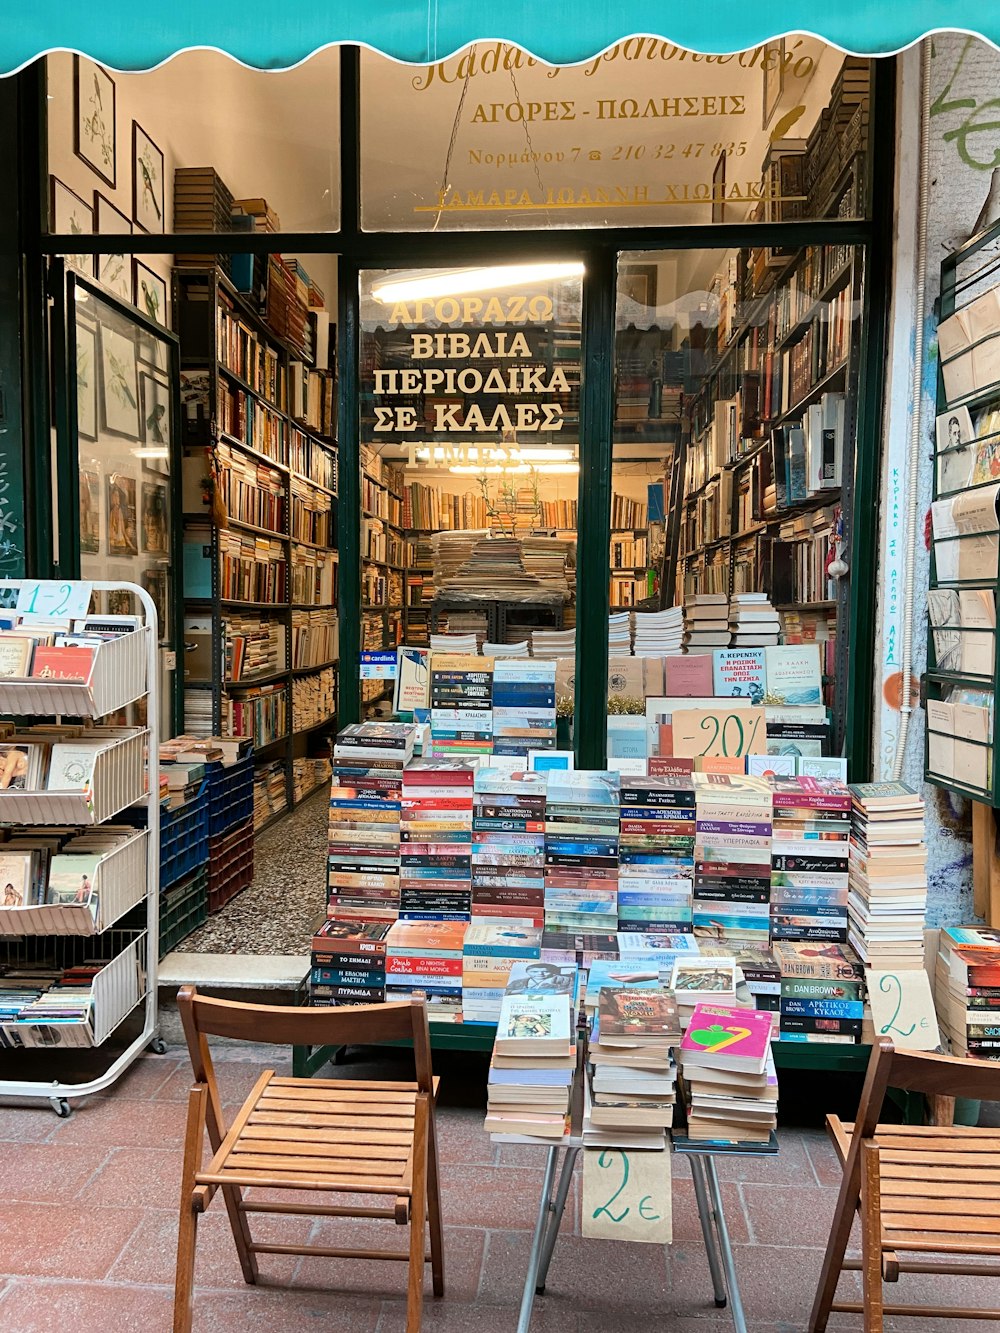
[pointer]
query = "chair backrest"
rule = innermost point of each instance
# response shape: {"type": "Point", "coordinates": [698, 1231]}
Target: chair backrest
{"type": "Point", "coordinates": [286, 1025]}
{"type": "Point", "coordinates": [921, 1071]}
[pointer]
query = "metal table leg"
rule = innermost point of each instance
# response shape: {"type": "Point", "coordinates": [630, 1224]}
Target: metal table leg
{"type": "Point", "coordinates": [544, 1206]}
{"type": "Point", "coordinates": [555, 1221]}
{"type": "Point", "coordinates": [728, 1261]}
{"type": "Point", "coordinates": [705, 1218]}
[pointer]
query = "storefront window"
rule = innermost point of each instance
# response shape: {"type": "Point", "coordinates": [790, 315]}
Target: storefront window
{"type": "Point", "coordinates": [646, 134]}
{"type": "Point", "coordinates": [470, 385]}
{"type": "Point", "coordinates": [201, 143]}
{"type": "Point", "coordinates": [732, 487]}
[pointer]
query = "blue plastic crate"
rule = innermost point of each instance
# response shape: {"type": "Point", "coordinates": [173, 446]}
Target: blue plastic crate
{"type": "Point", "coordinates": [183, 835]}
{"type": "Point", "coordinates": [230, 795]}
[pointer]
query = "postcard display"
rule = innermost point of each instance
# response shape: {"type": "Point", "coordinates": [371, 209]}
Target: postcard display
{"type": "Point", "coordinates": [961, 753]}
{"type": "Point", "coordinates": [79, 902]}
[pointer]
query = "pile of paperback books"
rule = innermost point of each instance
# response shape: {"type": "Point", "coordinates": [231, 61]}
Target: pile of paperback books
{"type": "Point", "coordinates": [581, 851]}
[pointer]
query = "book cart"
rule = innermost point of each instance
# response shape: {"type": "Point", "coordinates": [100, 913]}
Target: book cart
{"type": "Point", "coordinates": [961, 683]}
{"type": "Point", "coordinates": [126, 880]}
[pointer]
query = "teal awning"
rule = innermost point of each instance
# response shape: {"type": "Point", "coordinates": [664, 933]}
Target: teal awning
{"type": "Point", "coordinates": [269, 35]}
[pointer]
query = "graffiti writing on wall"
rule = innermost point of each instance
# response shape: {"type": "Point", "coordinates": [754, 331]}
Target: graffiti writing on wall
{"type": "Point", "coordinates": [975, 130]}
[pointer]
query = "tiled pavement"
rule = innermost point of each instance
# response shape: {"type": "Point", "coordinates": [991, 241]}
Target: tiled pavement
{"type": "Point", "coordinates": [88, 1212]}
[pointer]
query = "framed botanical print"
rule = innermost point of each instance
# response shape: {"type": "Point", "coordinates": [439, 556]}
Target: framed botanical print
{"type": "Point", "coordinates": [147, 181]}
{"type": "Point", "coordinates": [113, 270]}
{"type": "Point", "coordinates": [70, 216]}
{"type": "Point", "coordinates": [94, 125]}
{"type": "Point", "coordinates": [155, 410]}
{"type": "Point", "coordinates": [149, 293]}
{"type": "Point", "coordinates": [86, 381]}
{"type": "Point", "coordinates": [119, 384]}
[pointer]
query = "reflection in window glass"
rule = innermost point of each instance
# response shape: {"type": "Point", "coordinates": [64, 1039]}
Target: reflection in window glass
{"type": "Point", "coordinates": [646, 134]}
{"type": "Point", "coordinates": [733, 457]}
{"type": "Point", "coordinates": [470, 385]}
{"type": "Point", "coordinates": [200, 143]}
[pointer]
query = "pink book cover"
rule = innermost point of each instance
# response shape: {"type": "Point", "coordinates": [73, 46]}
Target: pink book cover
{"type": "Point", "coordinates": [689, 676]}
{"type": "Point", "coordinates": [722, 1029]}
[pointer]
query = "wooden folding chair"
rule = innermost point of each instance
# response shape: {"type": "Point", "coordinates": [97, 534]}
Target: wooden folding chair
{"type": "Point", "coordinates": [928, 1196]}
{"type": "Point", "coordinates": [343, 1136]}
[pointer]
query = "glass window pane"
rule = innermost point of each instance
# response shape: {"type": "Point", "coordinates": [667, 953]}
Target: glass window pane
{"type": "Point", "coordinates": [646, 134]}
{"type": "Point", "coordinates": [199, 144]}
{"type": "Point", "coordinates": [470, 384]}
{"type": "Point", "coordinates": [732, 510]}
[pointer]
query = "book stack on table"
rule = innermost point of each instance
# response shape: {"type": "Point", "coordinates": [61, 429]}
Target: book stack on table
{"type": "Point", "coordinates": [524, 706]}
{"type": "Point", "coordinates": [363, 865]}
{"type": "Point", "coordinates": [425, 958]}
{"type": "Point", "coordinates": [508, 846]}
{"type": "Point", "coordinates": [812, 825]}
{"type": "Point", "coordinates": [348, 963]}
{"type": "Point", "coordinates": [656, 854]}
{"type": "Point", "coordinates": [887, 901]}
{"type": "Point", "coordinates": [461, 704]}
{"type": "Point", "coordinates": [632, 1076]}
{"type": "Point", "coordinates": [581, 851]}
{"type": "Point", "coordinates": [967, 990]}
{"type": "Point", "coordinates": [729, 1071]}
{"type": "Point", "coordinates": [489, 951]}
{"type": "Point", "coordinates": [435, 871]}
{"type": "Point", "coordinates": [822, 992]}
{"type": "Point", "coordinates": [732, 874]}
{"type": "Point", "coordinates": [534, 1056]}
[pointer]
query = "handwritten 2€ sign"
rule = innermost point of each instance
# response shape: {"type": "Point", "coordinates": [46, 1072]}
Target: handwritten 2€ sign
{"type": "Point", "coordinates": [626, 1195]}
{"type": "Point", "coordinates": [903, 1008]}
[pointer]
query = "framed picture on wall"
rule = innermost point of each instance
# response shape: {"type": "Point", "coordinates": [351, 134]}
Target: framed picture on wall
{"type": "Point", "coordinates": [86, 381]}
{"type": "Point", "coordinates": [70, 216]}
{"type": "Point", "coordinates": [121, 514]}
{"type": "Point", "coordinates": [637, 282]}
{"type": "Point", "coordinates": [154, 518]}
{"type": "Point", "coordinates": [147, 181]}
{"type": "Point", "coordinates": [155, 410]}
{"type": "Point", "coordinates": [90, 512]}
{"type": "Point", "coordinates": [149, 293]}
{"type": "Point", "coordinates": [155, 583]}
{"type": "Point", "coordinates": [119, 384]}
{"type": "Point", "coordinates": [94, 125]}
{"type": "Point", "coordinates": [113, 271]}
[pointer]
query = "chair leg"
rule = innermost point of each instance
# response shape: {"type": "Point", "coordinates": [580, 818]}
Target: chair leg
{"type": "Point", "coordinates": [233, 1197]}
{"type": "Point", "coordinates": [833, 1260]}
{"type": "Point", "coordinates": [871, 1240]}
{"type": "Point", "coordinates": [434, 1208]}
{"type": "Point", "coordinates": [418, 1217]}
{"type": "Point", "coordinates": [187, 1233]}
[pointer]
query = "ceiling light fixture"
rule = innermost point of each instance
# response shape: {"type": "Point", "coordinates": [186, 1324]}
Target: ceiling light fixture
{"type": "Point", "coordinates": [428, 286]}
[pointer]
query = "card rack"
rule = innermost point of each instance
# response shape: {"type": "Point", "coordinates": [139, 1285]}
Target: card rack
{"type": "Point", "coordinates": [124, 989]}
{"type": "Point", "coordinates": [961, 684]}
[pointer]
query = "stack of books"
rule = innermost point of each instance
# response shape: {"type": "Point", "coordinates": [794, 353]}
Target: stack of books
{"type": "Point", "coordinates": [809, 876]}
{"type": "Point", "coordinates": [524, 705]}
{"type": "Point", "coordinates": [887, 902]}
{"type": "Point", "coordinates": [435, 863]}
{"type": "Point", "coordinates": [202, 202]}
{"type": "Point", "coordinates": [703, 978]}
{"type": "Point", "coordinates": [464, 644]}
{"type": "Point", "coordinates": [656, 854]}
{"type": "Point", "coordinates": [552, 643]}
{"type": "Point", "coordinates": [967, 990]}
{"type": "Point", "coordinates": [581, 851]}
{"type": "Point", "coordinates": [581, 948]}
{"type": "Point", "coordinates": [365, 797]}
{"type": "Point", "coordinates": [729, 1071]}
{"type": "Point", "coordinates": [424, 958]}
{"type": "Point", "coordinates": [753, 621]}
{"type": "Point", "coordinates": [489, 952]}
{"type": "Point", "coordinates": [658, 633]}
{"type": "Point", "coordinates": [706, 622]}
{"type": "Point", "coordinates": [632, 1078]}
{"type": "Point", "coordinates": [732, 873]}
{"type": "Point", "coordinates": [461, 704]}
{"type": "Point", "coordinates": [348, 963]}
{"type": "Point", "coordinates": [822, 992]}
{"type": "Point", "coordinates": [534, 1058]}
{"type": "Point", "coordinates": [508, 846]}
{"type": "Point", "coordinates": [757, 963]}
{"type": "Point", "coordinates": [620, 632]}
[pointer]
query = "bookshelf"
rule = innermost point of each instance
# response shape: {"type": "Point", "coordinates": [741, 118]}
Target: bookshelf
{"type": "Point", "coordinates": [261, 567]}
{"type": "Point", "coordinates": [962, 681]}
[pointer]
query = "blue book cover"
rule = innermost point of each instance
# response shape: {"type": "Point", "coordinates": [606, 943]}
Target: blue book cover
{"type": "Point", "coordinates": [823, 1008]}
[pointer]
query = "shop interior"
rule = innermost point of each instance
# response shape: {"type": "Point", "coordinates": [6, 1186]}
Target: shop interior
{"type": "Point", "coordinates": [205, 422]}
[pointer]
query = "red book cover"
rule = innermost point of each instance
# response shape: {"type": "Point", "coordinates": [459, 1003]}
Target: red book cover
{"type": "Point", "coordinates": [668, 765]}
{"type": "Point", "coordinates": [689, 676]}
{"type": "Point", "coordinates": [63, 663]}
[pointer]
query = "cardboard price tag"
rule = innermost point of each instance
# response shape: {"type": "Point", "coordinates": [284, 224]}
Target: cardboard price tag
{"type": "Point", "coordinates": [903, 1008]}
{"type": "Point", "coordinates": [49, 597]}
{"type": "Point", "coordinates": [626, 1195]}
{"type": "Point", "coordinates": [729, 732]}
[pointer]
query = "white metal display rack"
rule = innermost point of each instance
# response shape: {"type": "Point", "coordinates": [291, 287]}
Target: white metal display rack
{"type": "Point", "coordinates": [125, 670]}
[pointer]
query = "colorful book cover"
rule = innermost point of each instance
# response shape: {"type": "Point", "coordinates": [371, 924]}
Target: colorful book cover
{"type": "Point", "coordinates": [717, 1029]}
{"type": "Point", "coordinates": [739, 672]}
{"type": "Point", "coordinates": [794, 674]}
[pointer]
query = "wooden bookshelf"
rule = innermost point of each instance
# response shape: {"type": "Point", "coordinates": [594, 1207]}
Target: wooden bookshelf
{"type": "Point", "coordinates": [265, 581]}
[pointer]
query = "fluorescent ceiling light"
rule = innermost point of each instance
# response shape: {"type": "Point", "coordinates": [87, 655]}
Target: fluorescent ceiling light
{"type": "Point", "coordinates": [499, 454]}
{"type": "Point", "coordinates": [430, 285]}
{"type": "Point", "coordinates": [150, 453]}
{"type": "Point", "coordinates": [519, 469]}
